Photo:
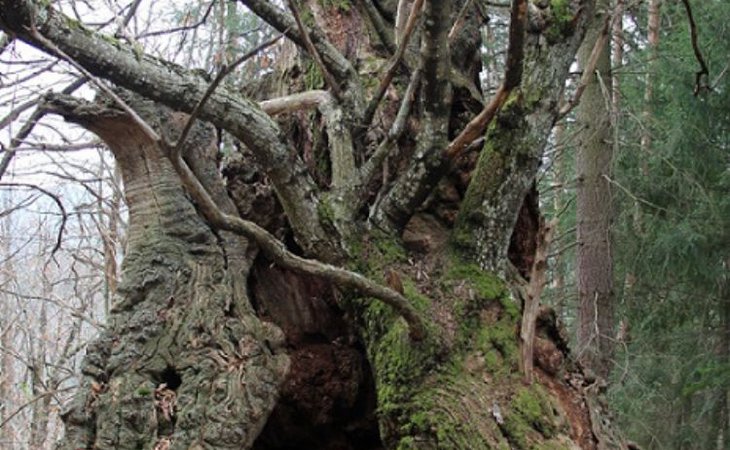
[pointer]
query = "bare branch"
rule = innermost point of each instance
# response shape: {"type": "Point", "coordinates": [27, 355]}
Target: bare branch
{"type": "Point", "coordinates": [16, 112]}
{"type": "Point", "coordinates": [129, 16]}
{"type": "Point", "coordinates": [28, 128]}
{"type": "Point", "coordinates": [313, 51]}
{"type": "Point", "coordinates": [475, 128]}
{"type": "Point", "coordinates": [512, 79]}
{"type": "Point", "coordinates": [277, 251]}
{"type": "Point", "coordinates": [533, 294]}
{"type": "Point", "coordinates": [383, 31]}
{"type": "Point", "coordinates": [516, 45]}
{"type": "Point", "coordinates": [182, 28]}
{"type": "Point", "coordinates": [294, 102]}
{"type": "Point", "coordinates": [339, 138]}
{"type": "Point", "coordinates": [369, 170]}
{"type": "Point", "coordinates": [56, 200]}
{"type": "Point", "coordinates": [588, 71]}
{"type": "Point", "coordinates": [459, 22]}
{"type": "Point", "coordinates": [704, 72]}
{"type": "Point", "coordinates": [29, 403]}
{"type": "Point", "coordinates": [393, 63]}
{"type": "Point", "coordinates": [217, 81]}
{"type": "Point", "coordinates": [333, 60]}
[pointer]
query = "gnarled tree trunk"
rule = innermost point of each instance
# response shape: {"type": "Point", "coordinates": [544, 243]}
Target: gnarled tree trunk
{"type": "Point", "coordinates": [184, 359]}
{"type": "Point", "coordinates": [424, 353]}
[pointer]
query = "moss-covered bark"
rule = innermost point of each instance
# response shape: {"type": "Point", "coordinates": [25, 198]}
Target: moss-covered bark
{"type": "Point", "coordinates": [515, 141]}
{"type": "Point", "coordinates": [462, 387]}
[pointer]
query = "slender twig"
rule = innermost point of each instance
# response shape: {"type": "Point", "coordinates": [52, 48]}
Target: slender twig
{"type": "Point", "coordinates": [459, 22]}
{"type": "Point", "coordinates": [16, 112]}
{"type": "Point", "coordinates": [181, 28]}
{"type": "Point", "coordinates": [225, 70]}
{"type": "Point", "coordinates": [27, 128]}
{"type": "Point", "coordinates": [54, 197]}
{"type": "Point", "coordinates": [29, 403]}
{"type": "Point", "coordinates": [475, 128]}
{"type": "Point", "coordinates": [634, 196]}
{"type": "Point", "coordinates": [704, 71]}
{"type": "Point", "coordinates": [393, 64]}
{"type": "Point", "coordinates": [128, 17]}
{"type": "Point", "coordinates": [328, 78]}
{"type": "Point", "coordinates": [371, 166]}
{"type": "Point", "coordinates": [278, 252]}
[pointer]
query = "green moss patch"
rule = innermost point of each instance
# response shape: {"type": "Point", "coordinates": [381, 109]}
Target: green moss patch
{"type": "Point", "coordinates": [562, 21]}
{"type": "Point", "coordinates": [531, 419]}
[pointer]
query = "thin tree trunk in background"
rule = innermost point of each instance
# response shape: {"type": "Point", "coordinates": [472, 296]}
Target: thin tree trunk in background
{"type": "Point", "coordinates": [7, 334]}
{"type": "Point", "coordinates": [39, 419]}
{"type": "Point", "coordinates": [722, 413]}
{"type": "Point", "coordinates": [559, 202]}
{"type": "Point", "coordinates": [39, 387]}
{"type": "Point", "coordinates": [647, 114]}
{"type": "Point", "coordinates": [653, 39]}
{"type": "Point", "coordinates": [683, 423]}
{"type": "Point", "coordinates": [617, 61]}
{"type": "Point", "coordinates": [593, 166]}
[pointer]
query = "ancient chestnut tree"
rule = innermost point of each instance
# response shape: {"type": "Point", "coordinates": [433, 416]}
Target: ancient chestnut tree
{"type": "Point", "coordinates": [358, 280]}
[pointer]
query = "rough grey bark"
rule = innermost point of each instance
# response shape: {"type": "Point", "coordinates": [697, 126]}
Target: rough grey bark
{"type": "Point", "coordinates": [516, 139]}
{"type": "Point", "coordinates": [594, 209]}
{"type": "Point", "coordinates": [427, 164]}
{"type": "Point", "coordinates": [184, 361]}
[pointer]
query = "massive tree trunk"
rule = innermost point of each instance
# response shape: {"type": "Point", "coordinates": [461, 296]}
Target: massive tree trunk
{"type": "Point", "coordinates": [420, 348]}
{"type": "Point", "coordinates": [184, 359]}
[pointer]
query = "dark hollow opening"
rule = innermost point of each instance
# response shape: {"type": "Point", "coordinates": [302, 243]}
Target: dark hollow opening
{"type": "Point", "coordinates": [171, 378]}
